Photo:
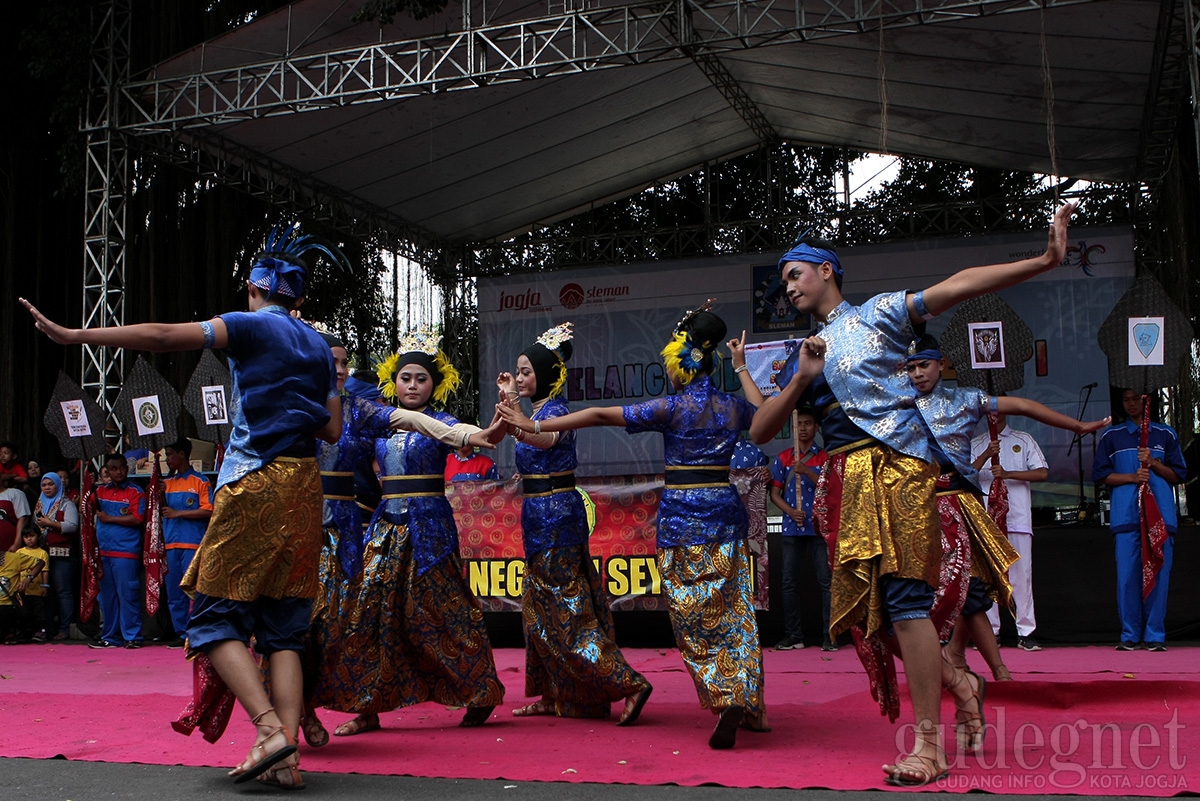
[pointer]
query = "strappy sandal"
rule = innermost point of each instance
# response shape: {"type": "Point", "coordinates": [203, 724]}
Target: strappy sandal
{"type": "Point", "coordinates": [285, 777]}
{"type": "Point", "coordinates": [260, 760]}
{"type": "Point", "coordinates": [970, 721]}
{"type": "Point", "coordinates": [315, 733]}
{"type": "Point", "coordinates": [631, 713]}
{"type": "Point", "coordinates": [357, 725]}
{"type": "Point", "coordinates": [476, 716]}
{"type": "Point", "coordinates": [541, 706]}
{"type": "Point", "coordinates": [956, 661]}
{"type": "Point", "coordinates": [915, 770]}
{"type": "Point", "coordinates": [1000, 673]}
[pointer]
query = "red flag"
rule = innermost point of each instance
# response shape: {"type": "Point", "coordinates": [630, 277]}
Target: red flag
{"type": "Point", "coordinates": [997, 505]}
{"type": "Point", "coordinates": [89, 588]}
{"type": "Point", "coordinates": [1154, 529]}
{"type": "Point", "coordinates": [154, 549]}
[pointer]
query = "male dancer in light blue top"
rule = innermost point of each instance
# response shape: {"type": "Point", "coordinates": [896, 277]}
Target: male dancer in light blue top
{"type": "Point", "coordinates": [887, 543]}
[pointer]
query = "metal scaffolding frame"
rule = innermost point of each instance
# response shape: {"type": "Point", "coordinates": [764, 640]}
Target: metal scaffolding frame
{"type": "Point", "coordinates": [557, 44]}
{"type": "Point", "coordinates": [105, 192]}
{"type": "Point", "coordinates": [171, 118]}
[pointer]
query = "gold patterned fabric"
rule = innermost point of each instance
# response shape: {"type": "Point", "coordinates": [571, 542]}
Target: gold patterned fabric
{"type": "Point", "coordinates": [879, 509]}
{"type": "Point", "coordinates": [409, 638]}
{"type": "Point", "coordinates": [991, 553]}
{"type": "Point", "coordinates": [712, 612]}
{"type": "Point", "coordinates": [571, 654]}
{"type": "Point", "coordinates": [264, 537]}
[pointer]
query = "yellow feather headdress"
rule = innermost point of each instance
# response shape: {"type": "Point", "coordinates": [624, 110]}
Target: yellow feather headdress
{"type": "Point", "coordinates": [683, 357]}
{"type": "Point", "coordinates": [426, 341]}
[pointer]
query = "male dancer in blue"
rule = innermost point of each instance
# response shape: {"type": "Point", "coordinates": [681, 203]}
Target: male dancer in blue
{"type": "Point", "coordinates": [881, 478]}
{"type": "Point", "coordinates": [256, 570]}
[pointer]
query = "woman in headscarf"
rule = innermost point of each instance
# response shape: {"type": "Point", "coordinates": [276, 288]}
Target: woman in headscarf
{"type": "Point", "coordinates": [363, 422]}
{"type": "Point", "coordinates": [415, 633]}
{"type": "Point", "coordinates": [58, 519]}
{"type": "Point", "coordinates": [572, 661]}
{"type": "Point", "coordinates": [703, 556]}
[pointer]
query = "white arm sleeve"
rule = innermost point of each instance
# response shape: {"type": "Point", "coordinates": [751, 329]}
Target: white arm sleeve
{"type": "Point", "coordinates": [455, 435]}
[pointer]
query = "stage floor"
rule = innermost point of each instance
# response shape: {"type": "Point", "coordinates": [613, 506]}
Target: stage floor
{"type": "Point", "coordinates": [1080, 720]}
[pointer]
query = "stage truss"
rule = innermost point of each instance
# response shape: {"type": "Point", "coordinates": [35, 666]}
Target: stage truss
{"type": "Point", "coordinates": [171, 119]}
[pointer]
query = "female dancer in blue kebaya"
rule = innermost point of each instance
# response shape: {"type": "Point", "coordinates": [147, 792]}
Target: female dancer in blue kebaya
{"type": "Point", "coordinates": [415, 633]}
{"type": "Point", "coordinates": [571, 657]}
{"type": "Point", "coordinates": [703, 556]}
{"type": "Point", "coordinates": [363, 422]}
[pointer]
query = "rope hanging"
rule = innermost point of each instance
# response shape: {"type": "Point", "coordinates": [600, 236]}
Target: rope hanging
{"type": "Point", "coordinates": [1048, 92]}
{"type": "Point", "coordinates": [883, 98]}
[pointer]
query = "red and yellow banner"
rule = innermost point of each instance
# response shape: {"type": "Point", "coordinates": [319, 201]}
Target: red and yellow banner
{"type": "Point", "coordinates": [622, 543]}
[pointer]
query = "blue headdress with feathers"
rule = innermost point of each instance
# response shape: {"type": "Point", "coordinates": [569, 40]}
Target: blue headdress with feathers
{"type": "Point", "coordinates": [280, 268]}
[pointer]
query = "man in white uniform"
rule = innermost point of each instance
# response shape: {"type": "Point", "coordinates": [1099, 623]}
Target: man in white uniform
{"type": "Point", "coordinates": [1021, 461]}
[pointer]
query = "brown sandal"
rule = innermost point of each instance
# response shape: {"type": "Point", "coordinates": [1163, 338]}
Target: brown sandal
{"type": "Point", "coordinates": [631, 712]}
{"type": "Point", "coordinates": [360, 723]}
{"type": "Point", "coordinates": [285, 777]}
{"type": "Point", "coordinates": [922, 770]}
{"type": "Point", "coordinates": [1000, 673]}
{"type": "Point", "coordinates": [476, 716]}
{"type": "Point", "coordinates": [970, 721]}
{"type": "Point", "coordinates": [315, 733]}
{"type": "Point", "coordinates": [260, 760]}
{"type": "Point", "coordinates": [541, 706]}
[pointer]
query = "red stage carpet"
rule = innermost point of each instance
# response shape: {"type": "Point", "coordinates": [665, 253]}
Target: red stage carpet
{"type": "Point", "coordinates": [1085, 720]}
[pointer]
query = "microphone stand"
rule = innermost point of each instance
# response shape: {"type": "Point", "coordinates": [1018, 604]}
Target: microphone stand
{"type": "Point", "coordinates": [1077, 439]}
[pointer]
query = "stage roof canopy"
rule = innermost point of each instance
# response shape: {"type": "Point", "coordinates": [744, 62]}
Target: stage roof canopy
{"type": "Point", "coordinates": [540, 111]}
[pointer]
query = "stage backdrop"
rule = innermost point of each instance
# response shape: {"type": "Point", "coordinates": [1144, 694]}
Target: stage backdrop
{"type": "Point", "coordinates": [623, 315]}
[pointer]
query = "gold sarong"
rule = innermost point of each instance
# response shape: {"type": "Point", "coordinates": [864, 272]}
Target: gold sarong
{"type": "Point", "coordinates": [881, 513]}
{"type": "Point", "coordinates": [991, 553]}
{"type": "Point", "coordinates": [264, 537]}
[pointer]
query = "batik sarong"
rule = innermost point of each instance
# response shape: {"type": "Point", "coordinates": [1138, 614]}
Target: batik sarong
{"type": "Point", "coordinates": [410, 638]}
{"type": "Point", "coordinates": [711, 606]}
{"type": "Point", "coordinates": [571, 655]}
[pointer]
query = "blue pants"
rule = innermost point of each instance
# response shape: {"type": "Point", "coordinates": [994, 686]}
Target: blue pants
{"type": "Point", "coordinates": [796, 551]}
{"type": "Point", "coordinates": [178, 560]}
{"type": "Point", "coordinates": [121, 600]}
{"type": "Point", "coordinates": [63, 581]}
{"type": "Point", "coordinates": [1141, 621]}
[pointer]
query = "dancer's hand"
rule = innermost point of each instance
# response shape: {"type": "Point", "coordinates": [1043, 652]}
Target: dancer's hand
{"type": "Point", "coordinates": [507, 385]}
{"type": "Point", "coordinates": [812, 358]}
{"type": "Point", "coordinates": [56, 332]}
{"type": "Point", "coordinates": [482, 440]}
{"type": "Point", "coordinates": [1056, 250]}
{"type": "Point", "coordinates": [737, 350]}
{"type": "Point", "coordinates": [1095, 425]}
{"type": "Point", "coordinates": [515, 417]}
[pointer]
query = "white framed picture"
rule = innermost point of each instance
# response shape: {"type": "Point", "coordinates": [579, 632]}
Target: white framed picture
{"type": "Point", "coordinates": [147, 411]}
{"type": "Point", "coordinates": [1145, 341]}
{"type": "Point", "coordinates": [216, 409]}
{"type": "Point", "coordinates": [76, 416]}
{"type": "Point", "coordinates": [987, 345]}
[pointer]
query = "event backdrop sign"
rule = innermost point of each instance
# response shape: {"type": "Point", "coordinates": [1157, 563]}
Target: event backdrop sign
{"type": "Point", "coordinates": [623, 316]}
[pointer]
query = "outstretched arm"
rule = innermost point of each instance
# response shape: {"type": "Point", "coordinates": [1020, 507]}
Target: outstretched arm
{"type": "Point", "coordinates": [584, 418]}
{"type": "Point", "coordinates": [975, 281]}
{"type": "Point", "coordinates": [774, 412]}
{"type": "Point", "coordinates": [152, 337]}
{"type": "Point", "coordinates": [1043, 414]}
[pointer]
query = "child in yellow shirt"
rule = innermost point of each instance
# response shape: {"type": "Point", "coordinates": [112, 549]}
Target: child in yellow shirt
{"type": "Point", "coordinates": [33, 596]}
{"type": "Point", "coordinates": [13, 586]}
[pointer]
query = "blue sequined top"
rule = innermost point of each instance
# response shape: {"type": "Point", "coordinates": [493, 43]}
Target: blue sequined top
{"type": "Point", "coordinates": [557, 520]}
{"type": "Point", "coordinates": [362, 423]}
{"type": "Point", "coordinates": [700, 426]}
{"type": "Point", "coordinates": [864, 367]}
{"type": "Point", "coordinates": [430, 519]}
{"type": "Point", "coordinates": [951, 415]}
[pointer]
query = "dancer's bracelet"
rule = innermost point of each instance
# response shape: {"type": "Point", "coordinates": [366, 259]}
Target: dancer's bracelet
{"type": "Point", "coordinates": [537, 426]}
